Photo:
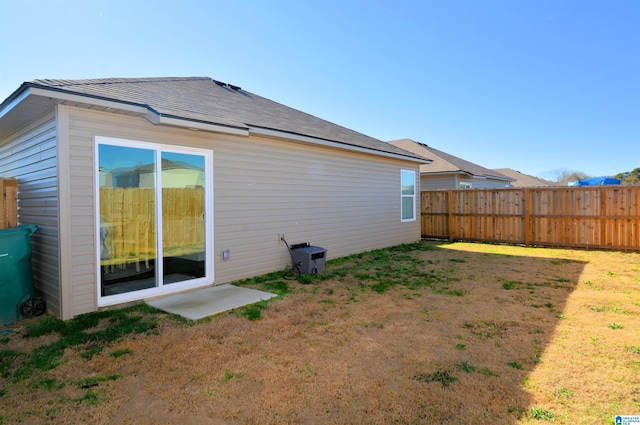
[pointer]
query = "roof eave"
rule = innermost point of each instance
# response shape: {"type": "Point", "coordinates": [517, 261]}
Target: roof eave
{"type": "Point", "coordinates": [14, 100]}
{"type": "Point", "coordinates": [301, 138]}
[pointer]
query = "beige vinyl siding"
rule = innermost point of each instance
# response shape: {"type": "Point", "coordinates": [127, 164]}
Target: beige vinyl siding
{"type": "Point", "coordinates": [487, 183]}
{"type": "Point", "coordinates": [346, 202]}
{"type": "Point", "coordinates": [438, 182]}
{"type": "Point", "coordinates": [30, 155]}
{"type": "Point", "coordinates": [341, 201]}
{"type": "Point", "coordinates": [453, 181]}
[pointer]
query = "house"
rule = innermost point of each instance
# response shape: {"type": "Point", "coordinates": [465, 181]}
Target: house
{"type": "Point", "coordinates": [523, 180]}
{"type": "Point", "coordinates": [450, 172]}
{"type": "Point", "coordinates": [144, 187]}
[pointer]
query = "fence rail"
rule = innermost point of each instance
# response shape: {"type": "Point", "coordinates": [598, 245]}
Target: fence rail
{"type": "Point", "coordinates": [8, 203]}
{"type": "Point", "coordinates": [128, 223]}
{"type": "Point", "coordinates": [581, 217]}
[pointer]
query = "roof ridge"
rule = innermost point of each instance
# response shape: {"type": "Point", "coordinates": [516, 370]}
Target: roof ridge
{"type": "Point", "coordinates": [98, 81]}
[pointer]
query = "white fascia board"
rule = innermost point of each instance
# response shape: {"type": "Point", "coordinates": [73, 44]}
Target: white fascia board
{"type": "Point", "coordinates": [15, 102]}
{"type": "Point", "coordinates": [311, 140]}
{"type": "Point", "coordinates": [194, 125]}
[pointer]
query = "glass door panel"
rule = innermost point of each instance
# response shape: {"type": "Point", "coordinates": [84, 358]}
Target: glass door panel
{"type": "Point", "coordinates": [183, 217]}
{"type": "Point", "coordinates": [127, 199]}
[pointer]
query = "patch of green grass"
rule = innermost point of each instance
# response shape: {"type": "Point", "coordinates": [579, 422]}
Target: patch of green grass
{"type": "Point", "coordinates": [461, 347]}
{"type": "Point", "coordinates": [120, 353]}
{"type": "Point", "coordinates": [278, 287]}
{"type": "Point", "coordinates": [305, 279]}
{"type": "Point", "coordinates": [90, 397]}
{"type": "Point", "coordinates": [615, 326]}
{"type": "Point", "coordinates": [599, 309]}
{"type": "Point", "coordinates": [91, 352]}
{"type": "Point", "coordinates": [593, 285]}
{"type": "Point", "coordinates": [563, 392]}
{"type": "Point", "coordinates": [78, 331]}
{"type": "Point", "coordinates": [540, 413]}
{"type": "Point", "coordinates": [488, 372]}
{"type": "Point", "coordinates": [94, 381]}
{"type": "Point", "coordinates": [383, 286]}
{"type": "Point", "coordinates": [47, 383]}
{"type": "Point", "coordinates": [633, 349]}
{"type": "Point", "coordinates": [443, 376]}
{"type": "Point", "coordinates": [251, 312]}
{"type": "Point", "coordinates": [466, 367]}
{"type": "Point", "coordinates": [512, 284]}
{"type": "Point", "coordinates": [515, 365]}
{"type": "Point", "coordinates": [228, 376]}
{"type": "Point", "coordinates": [7, 361]}
{"type": "Point", "coordinates": [44, 326]}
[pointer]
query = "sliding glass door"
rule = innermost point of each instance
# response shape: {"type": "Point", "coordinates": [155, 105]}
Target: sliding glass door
{"type": "Point", "coordinates": [153, 232]}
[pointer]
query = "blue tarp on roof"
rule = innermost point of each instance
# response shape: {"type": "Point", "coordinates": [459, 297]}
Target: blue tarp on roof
{"type": "Point", "coordinates": [596, 181]}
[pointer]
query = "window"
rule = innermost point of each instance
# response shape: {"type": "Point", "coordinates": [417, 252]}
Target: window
{"type": "Point", "coordinates": [408, 190]}
{"type": "Point", "coordinates": [464, 185]}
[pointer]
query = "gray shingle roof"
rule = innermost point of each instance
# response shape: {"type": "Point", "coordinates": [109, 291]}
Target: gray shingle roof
{"type": "Point", "coordinates": [203, 100]}
{"type": "Point", "coordinates": [523, 180]}
{"type": "Point", "coordinates": [444, 162]}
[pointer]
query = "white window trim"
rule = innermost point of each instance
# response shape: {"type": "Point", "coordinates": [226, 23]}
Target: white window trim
{"type": "Point", "coordinates": [209, 263]}
{"type": "Point", "coordinates": [403, 196]}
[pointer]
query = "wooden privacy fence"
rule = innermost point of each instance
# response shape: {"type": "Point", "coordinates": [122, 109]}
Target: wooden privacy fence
{"type": "Point", "coordinates": [581, 217]}
{"type": "Point", "coordinates": [8, 203]}
{"type": "Point", "coordinates": [128, 223]}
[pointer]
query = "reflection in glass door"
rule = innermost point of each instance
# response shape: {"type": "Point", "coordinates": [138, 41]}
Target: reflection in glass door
{"type": "Point", "coordinates": [127, 219]}
{"type": "Point", "coordinates": [183, 214]}
{"type": "Point", "coordinates": [152, 200]}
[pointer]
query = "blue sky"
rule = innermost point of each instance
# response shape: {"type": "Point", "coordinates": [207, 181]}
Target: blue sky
{"type": "Point", "coordinates": [533, 85]}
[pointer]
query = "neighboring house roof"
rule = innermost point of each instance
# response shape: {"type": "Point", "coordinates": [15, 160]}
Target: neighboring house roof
{"type": "Point", "coordinates": [523, 180]}
{"type": "Point", "coordinates": [194, 102]}
{"type": "Point", "coordinates": [444, 163]}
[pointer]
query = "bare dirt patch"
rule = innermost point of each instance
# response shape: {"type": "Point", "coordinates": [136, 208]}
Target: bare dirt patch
{"type": "Point", "coordinates": [427, 333]}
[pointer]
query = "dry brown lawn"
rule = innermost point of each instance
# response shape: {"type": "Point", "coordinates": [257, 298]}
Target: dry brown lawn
{"type": "Point", "coordinates": [432, 333]}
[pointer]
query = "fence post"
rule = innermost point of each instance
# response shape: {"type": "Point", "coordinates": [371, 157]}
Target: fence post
{"type": "Point", "coordinates": [8, 203]}
{"type": "Point", "coordinates": [451, 207]}
{"type": "Point", "coordinates": [527, 216]}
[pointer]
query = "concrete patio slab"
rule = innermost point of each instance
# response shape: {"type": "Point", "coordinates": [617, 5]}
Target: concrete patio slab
{"type": "Point", "coordinates": [208, 301]}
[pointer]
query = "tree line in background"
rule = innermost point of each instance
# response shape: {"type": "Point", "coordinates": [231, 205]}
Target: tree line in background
{"type": "Point", "coordinates": [629, 177]}
{"type": "Point", "coordinates": [565, 176]}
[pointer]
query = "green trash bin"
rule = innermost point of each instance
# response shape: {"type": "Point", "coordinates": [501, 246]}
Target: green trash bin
{"type": "Point", "coordinates": [17, 300]}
